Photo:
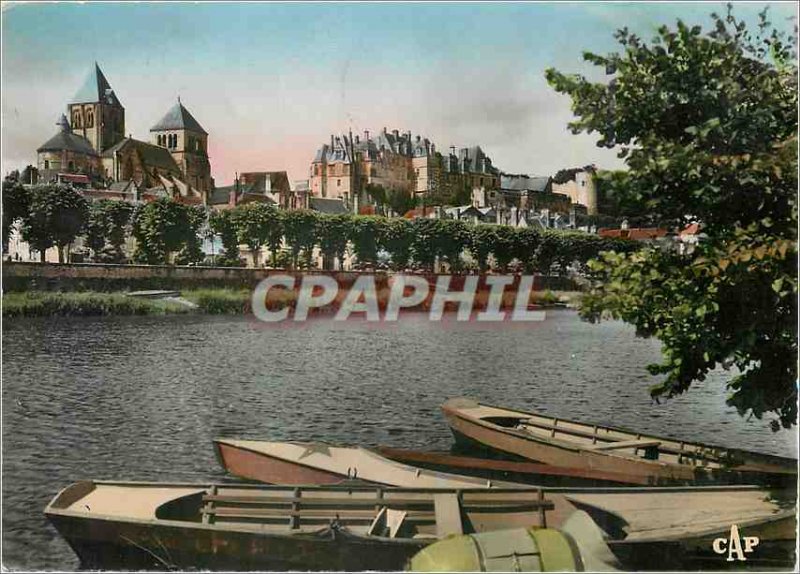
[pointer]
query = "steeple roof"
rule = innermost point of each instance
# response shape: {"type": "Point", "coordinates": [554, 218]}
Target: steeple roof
{"type": "Point", "coordinates": [95, 89]}
{"type": "Point", "coordinates": [178, 118]}
{"type": "Point", "coordinates": [66, 140]}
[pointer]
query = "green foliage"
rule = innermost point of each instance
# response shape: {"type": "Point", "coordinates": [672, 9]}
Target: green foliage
{"type": "Point", "coordinates": [192, 252]}
{"type": "Point", "coordinates": [300, 231]}
{"type": "Point", "coordinates": [396, 238]}
{"type": "Point", "coordinates": [425, 233]}
{"type": "Point", "coordinates": [83, 304]}
{"type": "Point", "coordinates": [707, 126]}
{"type": "Point", "coordinates": [333, 233]}
{"type": "Point", "coordinates": [252, 224]}
{"type": "Point", "coordinates": [106, 228]}
{"type": "Point", "coordinates": [365, 238]}
{"type": "Point", "coordinates": [16, 204]}
{"type": "Point", "coordinates": [161, 228]}
{"type": "Point", "coordinates": [222, 224]}
{"type": "Point", "coordinates": [451, 238]}
{"type": "Point", "coordinates": [56, 216]}
{"type": "Point", "coordinates": [483, 242]}
{"type": "Point", "coordinates": [221, 301]}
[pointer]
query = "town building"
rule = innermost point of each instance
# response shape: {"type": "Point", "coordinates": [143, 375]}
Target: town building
{"type": "Point", "coordinates": [270, 187]}
{"type": "Point", "coordinates": [579, 184]}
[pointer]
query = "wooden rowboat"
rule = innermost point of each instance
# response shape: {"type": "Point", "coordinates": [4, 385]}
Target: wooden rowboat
{"type": "Point", "coordinates": [655, 460]}
{"type": "Point", "coordinates": [251, 527]}
{"type": "Point", "coordinates": [318, 463]}
{"type": "Point", "coordinates": [495, 469]}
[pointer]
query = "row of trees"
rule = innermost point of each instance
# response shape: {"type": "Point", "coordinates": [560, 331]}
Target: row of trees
{"type": "Point", "coordinates": [169, 232]}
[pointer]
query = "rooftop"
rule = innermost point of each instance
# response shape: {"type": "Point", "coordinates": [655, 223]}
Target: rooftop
{"type": "Point", "coordinates": [178, 118]}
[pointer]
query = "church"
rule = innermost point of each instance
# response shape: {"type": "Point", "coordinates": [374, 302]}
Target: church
{"type": "Point", "coordinates": [90, 146]}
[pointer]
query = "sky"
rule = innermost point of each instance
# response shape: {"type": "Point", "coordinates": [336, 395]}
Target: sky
{"type": "Point", "coordinates": [271, 82]}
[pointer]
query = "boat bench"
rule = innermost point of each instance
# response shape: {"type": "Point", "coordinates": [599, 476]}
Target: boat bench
{"type": "Point", "coordinates": [386, 516]}
{"type": "Point", "coordinates": [626, 444]}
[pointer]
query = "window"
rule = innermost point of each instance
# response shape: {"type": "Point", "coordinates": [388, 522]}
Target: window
{"type": "Point", "coordinates": [47, 164]}
{"type": "Point", "coordinates": [583, 183]}
{"type": "Point", "coordinates": [89, 118]}
{"type": "Point", "coordinates": [76, 119]}
{"type": "Point", "coordinates": [71, 166]}
{"type": "Point", "coordinates": [338, 182]}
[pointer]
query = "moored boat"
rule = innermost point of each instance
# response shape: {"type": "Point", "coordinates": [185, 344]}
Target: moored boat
{"type": "Point", "coordinates": [319, 463]}
{"type": "Point", "coordinates": [252, 527]}
{"type": "Point", "coordinates": [645, 458]}
{"type": "Point", "coordinates": [523, 472]}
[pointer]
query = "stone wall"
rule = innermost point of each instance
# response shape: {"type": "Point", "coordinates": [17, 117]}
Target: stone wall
{"type": "Point", "coordinates": [24, 276]}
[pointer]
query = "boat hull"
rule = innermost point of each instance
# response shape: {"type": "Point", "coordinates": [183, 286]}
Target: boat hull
{"type": "Point", "coordinates": [246, 463]}
{"type": "Point", "coordinates": [116, 544]}
{"type": "Point", "coordinates": [474, 432]}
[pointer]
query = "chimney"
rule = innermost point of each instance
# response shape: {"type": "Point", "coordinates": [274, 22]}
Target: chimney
{"type": "Point", "coordinates": [366, 135]}
{"type": "Point", "coordinates": [357, 140]}
{"type": "Point", "coordinates": [396, 133]}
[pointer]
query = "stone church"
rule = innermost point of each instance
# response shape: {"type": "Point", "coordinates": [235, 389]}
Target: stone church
{"type": "Point", "coordinates": [91, 143]}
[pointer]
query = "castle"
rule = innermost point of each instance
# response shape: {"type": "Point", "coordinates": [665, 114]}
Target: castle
{"type": "Point", "coordinates": [399, 162]}
{"type": "Point", "coordinates": [91, 146]}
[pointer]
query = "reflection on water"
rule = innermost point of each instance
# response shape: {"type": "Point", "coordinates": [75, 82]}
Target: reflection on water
{"type": "Point", "coordinates": [141, 398]}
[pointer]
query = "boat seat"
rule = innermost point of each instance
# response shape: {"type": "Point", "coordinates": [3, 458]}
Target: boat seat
{"type": "Point", "coordinates": [387, 523]}
{"type": "Point", "coordinates": [448, 514]}
{"type": "Point", "coordinates": [626, 444]}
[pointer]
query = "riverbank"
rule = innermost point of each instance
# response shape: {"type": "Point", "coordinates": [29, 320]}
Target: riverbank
{"type": "Point", "coordinates": [207, 301]}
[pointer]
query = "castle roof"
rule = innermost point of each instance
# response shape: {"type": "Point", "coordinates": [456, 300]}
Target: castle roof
{"type": "Point", "coordinates": [66, 140]}
{"type": "Point", "coordinates": [95, 89]}
{"type": "Point", "coordinates": [178, 118]}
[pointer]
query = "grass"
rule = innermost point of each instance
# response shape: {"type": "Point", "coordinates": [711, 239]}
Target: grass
{"type": "Point", "coordinates": [83, 304]}
{"type": "Point", "coordinates": [216, 301]}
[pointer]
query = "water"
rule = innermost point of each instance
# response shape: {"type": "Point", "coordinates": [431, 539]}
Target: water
{"type": "Point", "coordinates": [140, 398]}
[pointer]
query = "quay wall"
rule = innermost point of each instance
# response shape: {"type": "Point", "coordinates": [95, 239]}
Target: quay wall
{"type": "Point", "coordinates": [34, 276]}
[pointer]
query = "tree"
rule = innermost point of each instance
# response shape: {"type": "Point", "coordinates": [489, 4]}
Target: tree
{"type": "Point", "coordinates": [56, 216]}
{"type": "Point", "coordinates": [119, 217]}
{"type": "Point", "coordinates": [106, 229]}
{"type": "Point", "coordinates": [395, 236]}
{"type": "Point", "coordinates": [161, 228]}
{"type": "Point", "coordinates": [97, 228]}
{"type": "Point", "coordinates": [275, 234]}
{"type": "Point", "coordinates": [333, 232]}
{"type": "Point", "coordinates": [483, 242]}
{"type": "Point", "coordinates": [222, 224]}
{"type": "Point", "coordinates": [252, 222]}
{"type": "Point", "coordinates": [706, 124]}
{"type": "Point", "coordinates": [300, 231]}
{"type": "Point", "coordinates": [16, 204]}
{"type": "Point", "coordinates": [364, 237]}
{"type": "Point", "coordinates": [451, 239]}
{"type": "Point", "coordinates": [192, 252]}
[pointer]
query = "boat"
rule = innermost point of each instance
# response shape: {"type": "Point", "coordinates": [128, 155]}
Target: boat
{"type": "Point", "coordinates": [655, 460]}
{"type": "Point", "coordinates": [131, 525]}
{"type": "Point", "coordinates": [320, 463]}
{"type": "Point", "coordinates": [523, 472]}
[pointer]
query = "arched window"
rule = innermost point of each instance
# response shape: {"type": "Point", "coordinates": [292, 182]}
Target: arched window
{"type": "Point", "coordinates": [89, 118]}
{"type": "Point", "coordinates": [76, 119]}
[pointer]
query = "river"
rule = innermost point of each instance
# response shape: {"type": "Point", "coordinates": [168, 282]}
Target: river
{"type": "Point", "coordinates": [140, 398]}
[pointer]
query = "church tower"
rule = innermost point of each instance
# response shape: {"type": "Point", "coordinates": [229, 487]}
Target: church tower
{"type": "Point", "coordinates": [187, 141]}
{"type": "Point", "coordinates": [96, 114]}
